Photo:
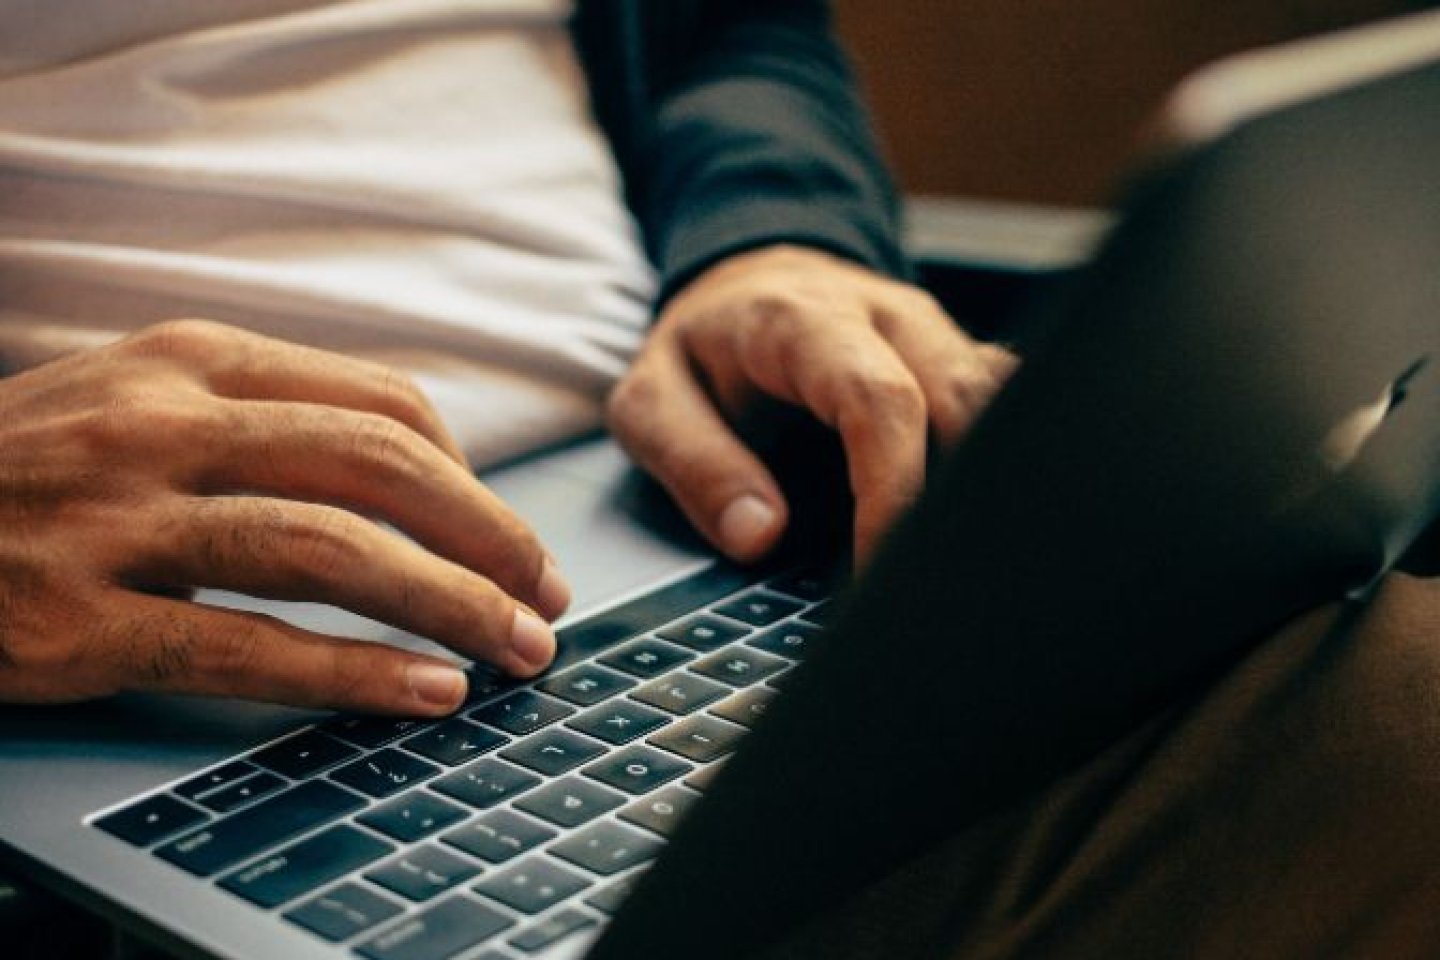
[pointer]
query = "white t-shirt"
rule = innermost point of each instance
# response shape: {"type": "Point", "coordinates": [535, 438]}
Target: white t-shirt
{"type": "Point", "coordinates": [416, 179]}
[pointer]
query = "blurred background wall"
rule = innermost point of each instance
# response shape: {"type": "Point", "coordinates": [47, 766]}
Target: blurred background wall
{"type": "Point", "coordinates": [1041, 100]}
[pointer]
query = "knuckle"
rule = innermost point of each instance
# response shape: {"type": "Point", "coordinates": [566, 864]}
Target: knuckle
{"type": "Point", "coordinates": [629, 403]}
{"type": "Point", "coordinates": [402, 393]}
{"type": "Point", "coordinates": [893, 395]}
{"type": "Point", "coordinates": [187, 339]}
{"type": "Point", "coordinates": [320, 543]}
{"type": "Point", "coordinates": [389, 446]}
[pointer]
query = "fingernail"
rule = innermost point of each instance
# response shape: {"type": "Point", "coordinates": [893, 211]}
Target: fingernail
{"type": "Point", "coordinates": [744, 524]}
{"type": "Point", "coordinates": [553, 592]}
{"type": "Point", "coordinates": [436, 685]}
{"type": "Point", "coordinates": [532, 639]}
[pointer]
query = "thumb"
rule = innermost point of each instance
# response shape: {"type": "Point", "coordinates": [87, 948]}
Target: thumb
{"type": "Point", "coordinates": [664, 419]}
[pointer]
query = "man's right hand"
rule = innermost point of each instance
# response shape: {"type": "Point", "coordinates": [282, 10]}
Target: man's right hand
{"type": "Point", "coordinates": [196, 455]}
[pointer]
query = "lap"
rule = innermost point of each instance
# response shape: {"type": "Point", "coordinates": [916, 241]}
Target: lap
{"type": "Point", "coordinates": [1289, 810]}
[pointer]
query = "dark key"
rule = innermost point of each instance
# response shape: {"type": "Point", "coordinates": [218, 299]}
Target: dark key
{"type": "Point", "coordinates": [647, 658]}
{"type": "Point", "coordinates": [619, 721]}
{"type": "Point", "coordinates": [587, 685]}
{"type": "Point", "coordinates": [423, 873]}
{"type": "Point", "coordinates": [552, 929]}
{"type": "Point", "coordinates": [242, 835]}
{"type": "Point", "coordinates": [637, 769]}
{"type": "Point", "coordinates": [747, 707]}
{"type": "Point", "coordinates": [234, 797]}
{"type": "Point", "coordinates": [438, 933]}
{"type": "Point", "coordinates": [661, 812]}
{"type": "Point", "coordinates": [370, 732]}
{"type": "Point", "coordinates": [570, 802]}
{"type": "Point", "coordinates": [196, 787]}
{"type": "Point", "coordinates": [304, 755]}
{"type": "Point", "coordinates": [151, 820]}
{"type": "Point", "coordinates": [808, 585]}
{"type": "Point", "coordinates": [703, 778]}
{"type": "Point", "coordinates": [608, 899]}
{"type": "Point", "coordinates": [298, 869]}
{"type": "Point", "coordinates": [680, 693]}
{"type": "Point", "coordinates": [343, 912]}
{"type": "Point", "coordinates": [788, 640]}
{"type": "Point", "coordinates": [498, 836]}
{"type": "Point", "coordinates": [607, 848]}
{"type": "Point", "coordinates": [385, 772]}
{"type": "Point", "coordinates": [703, 633]}
{"type": "Point", "coordinates": [485, 783]}
{"type": "Point", "coordinates": [700, 738]}
{"type": "Point", "coordinates": [414, 816]}
{"type": "Point", "coordinates": [553, 752]}
{"type": "Point", "coordinates": [532, 885]}
{"type": "Point", "coordinates": [739, 666]}
{"type": "Point", "coordinates": [455, 742]}
{"type": "Point", "coordinates": [486, 685]}
{"type": "Point", "coordinates": [523, 712]}
{"type": "Point", "coordinates": [821, 614]}
{"type": "Point", "coordinates": [759, 609]}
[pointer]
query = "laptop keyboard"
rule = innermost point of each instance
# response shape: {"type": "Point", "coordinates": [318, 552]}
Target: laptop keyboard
{"type": "Point", "coordinates": [520, 821]}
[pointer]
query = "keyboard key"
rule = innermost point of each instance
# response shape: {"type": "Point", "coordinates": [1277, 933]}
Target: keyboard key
{"type": "Point", "coordinates": [423, 873]}
{"type": "Point", "coordinates": [619, 721]}
{"type": "Point", "coordinates": [212, 780]}
{"type": "Point", "coordinates": [700, 738]}
{"type": "Point", "coordinates": [485, 684]}
{"type": "Point", "coordinates": [607, 848]}
{"type": "Point", "coordinates": [245, 792]}
{"type": "Point", "coordinates": [747, 707]}
{"type": "Point", "coordinates": [647, 658]}
{"type": "Point", "coordinates": [286, 874]}
{"type": "Point", "coordinates": [608, 899]}
{"type": "Point", "coordinates": [414, 816]}
{"type": "Point", "coordinates": [570, 802]}
{"type": "Point", "coordinates": [759, 609]}
{"type": "Point", "coordinates": [499, 836]}
{"type": "Point", "coordinates": [242, 835]}
{"type": "Point", "coordinates": [821, 614]}
{"type": "Point", "coordinates": [552, 929]}
{"type": "Point", "coordinates": [704, 633]}
{"type": "Point", "coordinates": [438, 933]}
{"type": "Point", "coordinates": [680, 693]}
{"type": "Point", "coordinates": [343, 912]}
{"type": "Point", "coordinates": [808, 585]}
{"type": "Point", "coordinates": [370, 732]}
{"type": "Point", "coordinates": [304, 755]}
{"type": "Point", "coordinates": [790, 640]}
{"type": "Point", "coordinates": [485, 783]}
{"type": "Point", "coordinates": [661, 812]}
{"type": "Point", "coordinates": [702, 779]}
{"type": "Point", "coordinates": [553, 752]}
{"type": "Point", "coordinates": [523, 712]}
{"type": "Point", "coordinates": [739, 666]}
{"type": "Point", "coordinates": [151, 820]}
{"type": "Point", "coordinates": [455, 742]}
{"type": "Point", "coordinates": [385, 772]}
{"type": "Point", "coordinates": [587, 685]}
{"type": "Point", "coordinates": [637, 769]}
{"type": "Point", "coordinates": [532, 886]}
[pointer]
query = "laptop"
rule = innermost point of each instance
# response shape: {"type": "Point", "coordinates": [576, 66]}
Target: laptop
{"type": "Point", "coordinates": [1232, 414]}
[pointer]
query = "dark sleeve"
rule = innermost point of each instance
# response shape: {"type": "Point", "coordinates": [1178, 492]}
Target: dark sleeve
{"type": "Point", "coordinates": [756, 135]}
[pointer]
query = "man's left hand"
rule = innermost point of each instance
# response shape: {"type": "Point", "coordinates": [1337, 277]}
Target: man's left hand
{"type": "Point", "coordinates": [876, 360]}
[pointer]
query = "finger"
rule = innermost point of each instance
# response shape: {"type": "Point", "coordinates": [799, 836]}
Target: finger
{"type": "Point", "coordinates": [176, 647]}
{"type": "Point", "coordinates": [958, 375]}
{"type": "Point", "coordinates": [247, 366]}
{"type": "Point", "coordinates": [285, 550]}
{"type": "Point", "coordinates": [663, 418]}
{"type": "Point", "coordinates": [380, 467]}
{"type": "Point", "coordinates": [851, 380]}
